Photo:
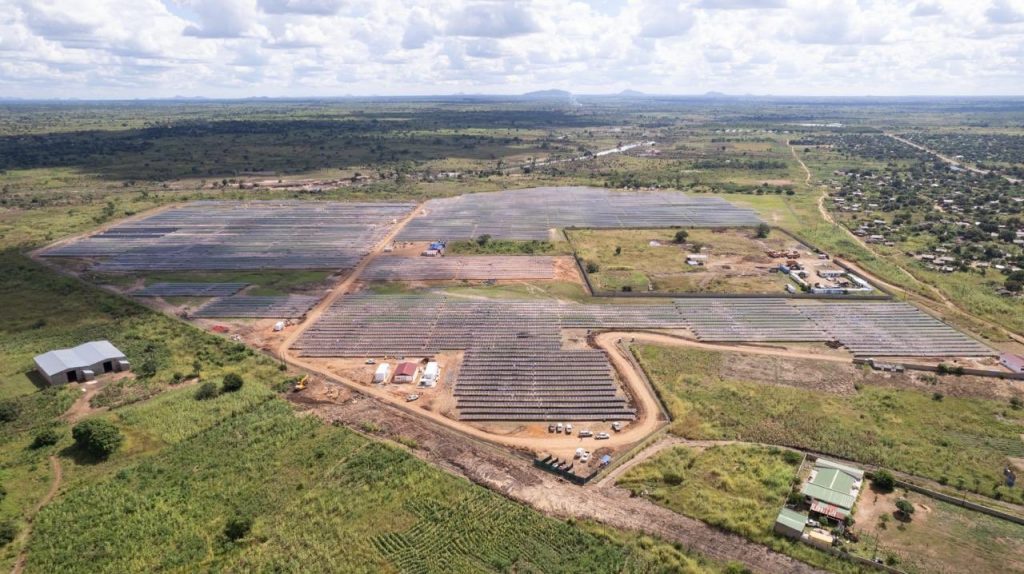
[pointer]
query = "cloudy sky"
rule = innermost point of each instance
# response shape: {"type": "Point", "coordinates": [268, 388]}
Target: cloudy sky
{"type": "Point", "coordinates": [241, 48]}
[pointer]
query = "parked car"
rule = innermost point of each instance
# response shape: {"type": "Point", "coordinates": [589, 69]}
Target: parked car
{"type": "Point", "coordinates": [602, 436]}
{"type": "Point", "coordinates": [616, 426]}
{"type": "Point", "coordinates": [371, 362]}
{"type": "Point", "coordinates": [579, 452]}
{"type": "Point", "coordinates": [568, 428]}
{"type": "Point", "coordinates": [586, 433]}
{"type": "Point", "coordinates": [559, 427]}
{"type": "Point", "coordinates": [411, 398]}
{"type": "Point", "coordinates": [585, 457]}
{"type": "Point", "coordinates": [551, 428]}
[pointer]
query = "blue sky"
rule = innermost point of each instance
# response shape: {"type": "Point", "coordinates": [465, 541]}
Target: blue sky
{"type": "Point", "coordinates": [241, 48]}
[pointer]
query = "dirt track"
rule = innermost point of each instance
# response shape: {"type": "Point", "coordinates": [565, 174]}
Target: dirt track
{"type": "Point", "coordinates": [58, 479]}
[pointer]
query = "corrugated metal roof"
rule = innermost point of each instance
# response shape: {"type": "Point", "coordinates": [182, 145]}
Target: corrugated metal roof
{"type": "Point", "coordinates": [84, 355]}
{"type": "Point", "coordinates": [405, 369]}
{"type": "Point", "coordinates": [792, 519]}
{"type": "Point", "coordinates": [830, 496]}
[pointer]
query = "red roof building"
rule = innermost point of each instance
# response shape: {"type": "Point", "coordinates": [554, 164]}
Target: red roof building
{"type": "Point", "coordinates": [406, 372]}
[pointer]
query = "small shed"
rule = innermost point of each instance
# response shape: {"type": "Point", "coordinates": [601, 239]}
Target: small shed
{"type": "Point", "coordinates": [406, 372]}
{"type": "Point", "coordinates": [382, 372]}
{"type": "Point", "coordinates": [81, 363]}
{"type": "Point", "coordinates": [790, 523]}
{"type": "Point", "coordinates": [430, 374]}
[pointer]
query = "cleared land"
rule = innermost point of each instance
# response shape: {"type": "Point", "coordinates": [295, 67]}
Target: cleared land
{"type": "Point", "coordinates": [650, 260]}
{"type": "Point", "coordinates": [227, 235]}
{"type": "Point", "coordinates": [940, 538]}
{"type": "Point", "coordinates": [533, 213]}
{"type": "Point", "coordinates": [256, 307]}
{"type": "Point", "coordinates": [452, 268]}
{"type": "Point", "coordinates": [961, 442]}
{"type": "Point", "coordinates": [190, 290]}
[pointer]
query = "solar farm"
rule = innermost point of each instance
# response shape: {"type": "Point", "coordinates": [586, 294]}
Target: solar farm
{"type": "Point", "coordinates": [190, 290]}
{"type": "Point", "coordinates": [481, 267]}
{"type": "Point", "coordinates": [233, 235]}
{"type": "Point", "coordinates": [533, 213]}
{"type": "Point", "coordinates": [514, 350]}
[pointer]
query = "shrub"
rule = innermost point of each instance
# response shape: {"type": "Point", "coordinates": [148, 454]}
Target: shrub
{"type": "Point", "coordinates": [681, 236]}
{"type": "Point", "coordinates": [592, 267]}
{"type": "Point", "coordinates": [45, 437]}
{"type": "Point", "coordinates": [207, 390]}
{"type": "Point", "coordinates": [8, 532]}
{"type": "Point", "coordinates": [232, 382]}
{"type": "Point", "coordinates": [9, 411]}
{"type": "Point", "coordinates": [763, 230]}
{"type": "Point", "coordinates": [97, 437]}
{"type": "Point", "coordinates": [618, 250]}
{"type": "Point", "coordinates": [905, 507]}
{"type": "Point", "coordinates": [1016, 403]}
{"type": "Point", "coordinates": [884, 481]}
{"type": "Point", "coordinates": [483, 240]}
{"type": "Point", "coordinates": [237, 528]}
{"type": "Point", "coordinates": [937, 396]}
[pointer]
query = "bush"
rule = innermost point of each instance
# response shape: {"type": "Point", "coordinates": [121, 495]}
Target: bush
{"type": "Point", "coordinates": [884, 481]}
{"type": "Point", "coordinates": [232, 382]}
{"type": "Point", "coordinates": [45, 437]}
{"type": "Point", "coordinates": [237, 528]}
{"type": "Point", "coordinates": [207, 390]}
{"type": "Point", "coordinates": [763, 230]}
{"type": "Point", "coordinates": [592, 267]}
{"type": "Point", "coordinates": [97, 437]}
{"type": "Point", "coordinates": [8, 532]}
{"type": "Point", "coordinates": [681, 236]}
{"type": "Point", "coordinates": [905, 507]}
{"type": "Point", "coordinates": [483, 240]}
{"type": "Point", "coordinates": [9, 411]}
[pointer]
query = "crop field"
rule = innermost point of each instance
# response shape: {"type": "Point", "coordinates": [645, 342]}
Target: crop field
{"type": "Point", "coordinates": [240, 235]}
{"type": "Point", "coordinates": [406, 516]}
{"type": "Point", "coordinates": [478, 267]}
{"type": "Point", "coordinates": [533, 213]}
{"type": "Point", "coordinates": [738, 488]}
{"type": "Point", "coordinates": [959, 442]}
{"type": "Point", "coordinates": [650, 260]}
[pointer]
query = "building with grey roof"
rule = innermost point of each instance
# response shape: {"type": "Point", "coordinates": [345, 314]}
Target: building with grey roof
{"type": "Point", "coordinates": [81, 363]}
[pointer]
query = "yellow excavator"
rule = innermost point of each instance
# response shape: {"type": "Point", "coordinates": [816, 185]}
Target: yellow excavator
{"type": "Point", "coordinates": [301, 384]}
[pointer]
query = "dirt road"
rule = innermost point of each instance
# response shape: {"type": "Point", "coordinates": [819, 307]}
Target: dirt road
{"type": "Point", "coordinates": [949, 160]}
{"type": "Point", "coordinates": [58, 479]}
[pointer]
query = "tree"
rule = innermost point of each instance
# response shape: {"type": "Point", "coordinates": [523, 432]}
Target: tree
{"type": "Point", "coordinates": [45, 437]}
{"type": "Point", "coordinates": [232, 382]}
{"type": "Point", "coordinates": [763, 230]}
{"type": "Point", "coordinates": [483, 240]}
{"type": "Point", "coordinates": [618, 250]}
{"type": "Point", "coordinates": [884, 481]}
{"type": "Point", "coordinates": [207, 390]}
{"type": "Point", "coordinates": [905, 507]}
{"type": "Point", "coordinates": [681, 236]}
{"type": "Point", "coordinates": [98, 437]}
{"type": "Point", "coordinates": [592, 267]}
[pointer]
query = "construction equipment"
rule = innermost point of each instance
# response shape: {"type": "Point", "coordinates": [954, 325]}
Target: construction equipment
{"type": "Point", "coordinates": [301, 384]}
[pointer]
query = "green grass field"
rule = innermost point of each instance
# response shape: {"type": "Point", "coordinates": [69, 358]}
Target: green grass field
{"type": "Point", "coordinates": [959, 442]}
{"type": "Point", "coordinates": [738, 488]}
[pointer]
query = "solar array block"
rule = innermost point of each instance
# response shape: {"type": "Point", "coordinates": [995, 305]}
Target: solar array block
{"type": "Point", "coordinates": [531, 213]}
{"type": "Point", "coordinates": [190, 290]}
{"type": "Point", "coordinates": [235, 235]}
{"type": "Point", "coordinates": [257, 307]}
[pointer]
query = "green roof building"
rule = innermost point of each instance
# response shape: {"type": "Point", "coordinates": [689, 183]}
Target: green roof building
{"type": "Point", "coordinates": [834, 487]}
{"type": "Point", "coordinates": [790, 523]}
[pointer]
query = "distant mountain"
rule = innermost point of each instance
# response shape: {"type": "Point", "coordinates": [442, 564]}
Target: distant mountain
{"type": "Point", "coordinates": [715, 95]}
{"type": "Point", "coordinates": [631, 93]}
{"type": "Point", "coordinates": [548, 95]}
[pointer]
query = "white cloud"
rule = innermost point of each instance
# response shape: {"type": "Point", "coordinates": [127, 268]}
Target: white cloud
{"type": "Point", "coordinates": [138, 48]}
